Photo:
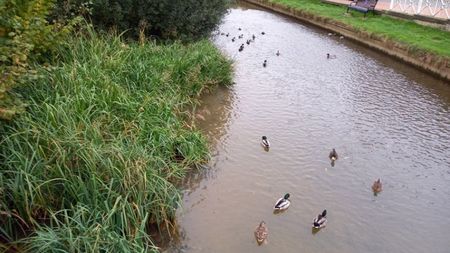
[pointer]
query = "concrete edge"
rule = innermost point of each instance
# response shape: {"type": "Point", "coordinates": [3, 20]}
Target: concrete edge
{"type": "Point", "coordinates": [429, 62]}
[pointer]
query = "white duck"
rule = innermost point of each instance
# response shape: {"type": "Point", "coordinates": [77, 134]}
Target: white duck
{"type": "Point", "coordinates": [265, 142]}
{"type": "Point", "coordinates": [320, 221]}
{"type": "Point", "coordinates": [283, 203]}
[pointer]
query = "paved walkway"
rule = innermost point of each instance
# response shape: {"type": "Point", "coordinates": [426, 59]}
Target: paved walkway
{"type": "Point", "coordinates": [434, 9]}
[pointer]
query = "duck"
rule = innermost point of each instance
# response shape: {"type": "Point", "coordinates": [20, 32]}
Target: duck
{"type": "Point", "coordinates": [248, 42]}
{"type": "Point", "coordinates": [241, 36]}
{"type": "Point", "coordinates": [241, 48]}
{"type": "Point", "coordinates": [233, 39]}
{"type": "Point", "coordinates": [320, 221]}
{"type": "Point", "coordinates": [283, 203]}
{"type": "Point", "coordinates": [278, 53]}
{"type": "Point", "coordinates": [342, 37]}
{"type": "Point", "coordinates": [263, 33]}
{"type": "Point", "coordinates": [265, 63]}
{"type": "Point", "coordinates": [228, 34]}
{"type": "Point", "coordinates": [333, 155]}
{"type": "Point", "coordinates": [377, 186]}
{"type": "Point", "coordinates": [261, 232]}
{"type": "Point", "coordinates": [331, 56]}
{"type": "Point", "coordinates": [265, 142]}
{"type": "Point", "coordinates": [239, 29]}
{"type": "Point", "coordinates": [253, 37]}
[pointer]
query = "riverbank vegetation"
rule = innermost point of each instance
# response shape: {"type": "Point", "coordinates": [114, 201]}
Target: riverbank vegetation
{"type": "Point", "coordinates": [423, 38]}
{"type": "Point", "coordinates": [91, 163]}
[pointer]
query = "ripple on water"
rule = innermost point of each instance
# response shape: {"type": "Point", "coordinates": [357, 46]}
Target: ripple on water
{"type": "Point", "coordinates": [385, 119]}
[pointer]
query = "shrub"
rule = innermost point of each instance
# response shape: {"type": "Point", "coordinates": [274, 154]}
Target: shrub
{"type": "Point", "coordinates": [167, 19]}
{"type": "Point", "coordinates": [25, 37]}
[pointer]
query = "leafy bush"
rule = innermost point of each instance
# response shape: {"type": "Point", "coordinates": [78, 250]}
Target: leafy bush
{"type": "Point", "coordinates": [167, 19]}
{"type": "Point", "coordinates": [25, 36]}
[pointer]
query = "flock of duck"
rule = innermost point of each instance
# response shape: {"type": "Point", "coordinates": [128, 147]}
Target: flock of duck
{"type": "Point", "coordinates": [320, 221]}
{"type": "Point", "coordinates": [283, 203]}
{"type": "Point", "coordinates": [252, 39]}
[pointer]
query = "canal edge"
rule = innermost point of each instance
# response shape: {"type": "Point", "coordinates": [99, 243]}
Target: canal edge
{"type": "Point", "coordinates": [431, 63]}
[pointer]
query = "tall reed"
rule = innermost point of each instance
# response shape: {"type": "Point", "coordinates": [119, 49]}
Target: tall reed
{"type": "Point", "coordinates": [94, 160]}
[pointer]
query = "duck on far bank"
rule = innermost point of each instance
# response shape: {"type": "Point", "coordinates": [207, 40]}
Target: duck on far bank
{"type": "Point", "coordinates": [265, 63]}
{"type": "Point", "coordinates": [320, 221]}
{"type": "Point", "coordinates": [333, 155]}
{"type": "Point", "coordinates": [377, 187]}
{"type": "Point", "coordinates": [265, 142]}
{"type": "Point", "coordinates": [283, 203]}
{"type": "Point", "coordinates": [261, 232]}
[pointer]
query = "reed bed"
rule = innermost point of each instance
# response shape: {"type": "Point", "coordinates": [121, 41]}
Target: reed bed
{"type": "Point", "coordinates": [106, 137]}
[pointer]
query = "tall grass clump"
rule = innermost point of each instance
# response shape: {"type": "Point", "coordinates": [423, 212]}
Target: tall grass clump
{"type": "Point", "coordinates": [93, 162]}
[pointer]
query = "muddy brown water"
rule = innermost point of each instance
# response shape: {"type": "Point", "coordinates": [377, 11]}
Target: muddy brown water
{"type": "Point", "coordinates": [385, 119]}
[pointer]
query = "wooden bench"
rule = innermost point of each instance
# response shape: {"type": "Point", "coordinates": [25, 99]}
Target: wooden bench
{"type": "Point", "coordinates": [363, 6]}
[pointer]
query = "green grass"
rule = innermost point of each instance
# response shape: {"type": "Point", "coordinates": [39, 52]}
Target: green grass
{"type": "Point", "coordinates": [107, 135]}
{"type": "Point", "coordinates": [417, 36]}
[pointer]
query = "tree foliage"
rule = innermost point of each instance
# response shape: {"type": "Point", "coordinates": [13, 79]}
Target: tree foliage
{"type": "Point", "coordinates": [25, 36]}
{"type": "Point", "coordinates": [166, 19]}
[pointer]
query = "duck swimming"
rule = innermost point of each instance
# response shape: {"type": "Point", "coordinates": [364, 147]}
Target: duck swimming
{"type": "Point", "coordinates": [377, 186]}
{"type": "Point", "coordinates": [228, 34]}
{"type": "Point", "coordinates": [241, 48]}
{"type": "Point", "coordinates": [261, 232]}
{"type": "Point", "coordinates": [265, 142]}
{"type": "Point", "coordinates": [263, 33]}
{"type": "Point", "coordinates": [320, 221]}
{"type": "Point", "coordinates": [265, 63]}
{"type": "Point", "coordinates": [333, 155]}
{"type": "Point", "coordinates": [283, 203]}
{"type": "Point", "coordinates": [233, 39]}
{"type": "Point", "coordinates": [248, 42]}
{"type": "Point", "coordinates": [253, 37]}
{"type": "Point", "coordinates": [331, 56]}
{"type": "Point", "coordinates": [278, 53]}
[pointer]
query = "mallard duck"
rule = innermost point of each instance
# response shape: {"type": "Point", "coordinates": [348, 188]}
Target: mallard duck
{"type": "Point", "coordinates": [283, 203]}
{"type": "Point", "coordinates": [265, 142]}
{"type": "Point", "coordinates": [261, 232]}
{"type": "Point", "coordinates": [331, 56]}
{"type": "Point", "coordinates": [377, 186]}
{"type": "Point", "coordinates": [333, 155]}
{"type": "Point", "coordinates": [241, 48]}
{"type": "Point", "coordinates": [265, 63]}
{"type": "Point", "coordinates": [320, 221]}
{"type": "Point", "coordinates": [278, 53]}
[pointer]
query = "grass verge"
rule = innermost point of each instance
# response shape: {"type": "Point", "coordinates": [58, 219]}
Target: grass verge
{"type": "Point", "coordinates": [94, 160]}
{"type": "Point", "coordinates": [420, 37]}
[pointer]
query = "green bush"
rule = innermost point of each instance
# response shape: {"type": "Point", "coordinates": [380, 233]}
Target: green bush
{"type": "Point", "coordinates": [167, 19]}
{"type": "Point", "coordinates": [25, 37]}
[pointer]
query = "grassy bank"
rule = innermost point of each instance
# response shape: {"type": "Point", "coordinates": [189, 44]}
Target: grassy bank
{"type": "Point", "coordinates": [93, 162]}
{"type": "Point", "coordinates": [422, 38]}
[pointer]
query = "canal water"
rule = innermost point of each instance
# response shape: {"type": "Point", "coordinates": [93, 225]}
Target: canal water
{"type": "Point", "coordinates": [385, 119]}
